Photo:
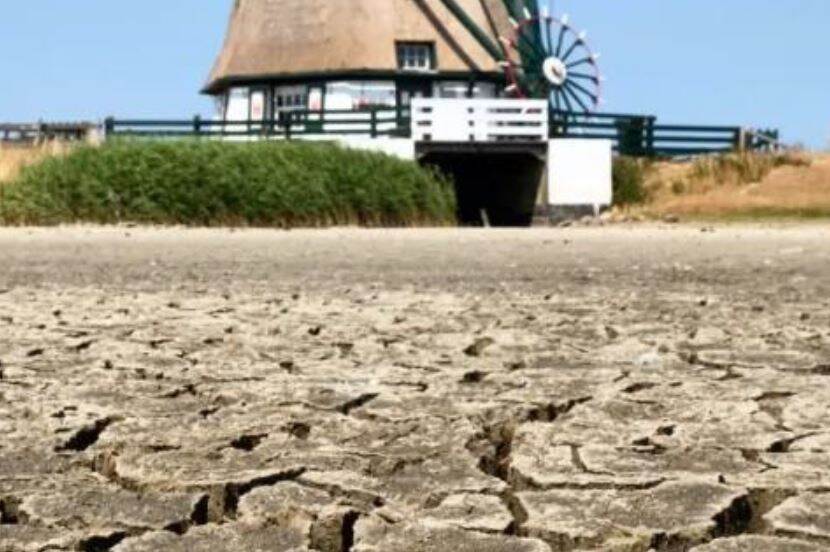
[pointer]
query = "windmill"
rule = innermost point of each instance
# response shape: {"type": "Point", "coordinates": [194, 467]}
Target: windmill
{"type": "Point", "coordinates": [383, 53]}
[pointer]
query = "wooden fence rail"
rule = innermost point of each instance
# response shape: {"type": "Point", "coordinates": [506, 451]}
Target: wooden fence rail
{"type": "Point", "coordinates": [34, 133]}
{"type": "Point", "coordinates": [632, 135]}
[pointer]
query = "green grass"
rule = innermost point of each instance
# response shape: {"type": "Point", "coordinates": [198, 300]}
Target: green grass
{"type": "Point", "coordinates": [219, 183]}
{"type": "Point", "coordinates": [629, 181]}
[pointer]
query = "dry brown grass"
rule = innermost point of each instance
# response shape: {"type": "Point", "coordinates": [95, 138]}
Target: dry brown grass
{"type": "Point", "coordinates": [785, 185]}
{"type": "Point", "coordinates": [14, 157]}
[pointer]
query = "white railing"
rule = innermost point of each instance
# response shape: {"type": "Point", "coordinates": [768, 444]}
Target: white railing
{"type": "Point", "coordinates": [477, 120]}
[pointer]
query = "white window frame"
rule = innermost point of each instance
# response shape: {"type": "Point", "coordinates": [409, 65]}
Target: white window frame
{"type": "Point", "coordinates": [417, 57]}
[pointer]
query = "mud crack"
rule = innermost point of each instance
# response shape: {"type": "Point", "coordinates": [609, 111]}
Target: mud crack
{"type": "Point", "coordinates": [86, 436]}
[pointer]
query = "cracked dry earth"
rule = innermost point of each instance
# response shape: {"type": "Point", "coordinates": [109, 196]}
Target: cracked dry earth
{"type": "Point", "coordinates": [622, 389]}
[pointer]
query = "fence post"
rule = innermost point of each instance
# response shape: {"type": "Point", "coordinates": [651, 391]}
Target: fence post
{"type": "Point", "coordinates": [374, 128]}
{"type": "Point", "coordinates": [650, 138]}
{"type": "Point", "coordinates": [109, 127]}
{"type": "Point", "coordinates": [197, 125]}
{"type": "Point", "coordinates": [288, 122]}
{"type": "Point", "coordinates": [740, 139]}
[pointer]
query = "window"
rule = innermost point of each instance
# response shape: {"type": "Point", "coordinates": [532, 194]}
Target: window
{"type": "Point", "coordinates": [452, 89]}
{"type": "Point", "coordinates": [290, 98]}
{"type": "Point", "coordinates": [416, 56]}
{"type": "Point", "coordinates": [360, 94]}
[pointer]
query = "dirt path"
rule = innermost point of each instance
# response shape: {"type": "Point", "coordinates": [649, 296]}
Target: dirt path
{"type": "Point", "coordinates": [427, 390]}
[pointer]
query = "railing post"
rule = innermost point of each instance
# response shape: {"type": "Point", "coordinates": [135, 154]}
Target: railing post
{"type": "Point", "coordinates": [287, 123]}
{"type": "Point", "coordinates": [739, 139]}
{"type": "Point", "coordinates": [109, 127]}
{"type": "Point", "coordinates": [650, 138]}
{"type": "Point", "coordinates": [374, 127]}
{"type": "Point", "coordinates": [197, 125]}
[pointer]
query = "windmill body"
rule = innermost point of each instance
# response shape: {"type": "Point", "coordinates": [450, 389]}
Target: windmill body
{"type": "Point", "coordinates": [282, 55]}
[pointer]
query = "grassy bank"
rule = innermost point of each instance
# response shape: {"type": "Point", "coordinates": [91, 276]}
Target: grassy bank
{"type": "Point", "coordinates": [730, 187]}
{"type": "Point", "coordinates": [219, 183]}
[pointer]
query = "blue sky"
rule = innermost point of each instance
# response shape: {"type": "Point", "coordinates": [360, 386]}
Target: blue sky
{"type": "Point", "coordinates": [751, 62]}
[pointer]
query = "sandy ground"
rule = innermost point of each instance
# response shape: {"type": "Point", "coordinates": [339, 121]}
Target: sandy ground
{"type": "Point", "coordinates": [614, 389]}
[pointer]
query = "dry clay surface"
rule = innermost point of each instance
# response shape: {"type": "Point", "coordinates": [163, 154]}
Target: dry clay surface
{"type": "Point", "coordinates": [603, 389]}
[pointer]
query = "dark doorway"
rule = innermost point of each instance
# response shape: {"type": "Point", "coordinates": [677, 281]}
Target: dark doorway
{"type": "Point", "coordinates": [499, 185]}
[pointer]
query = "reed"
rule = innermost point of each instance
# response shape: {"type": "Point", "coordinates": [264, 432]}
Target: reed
{"type": "Point", "coordinates": [203, 183]}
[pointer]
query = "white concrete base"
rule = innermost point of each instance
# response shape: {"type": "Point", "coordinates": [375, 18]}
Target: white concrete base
{"type": "Point", "coordinates": [402, 148]}
{"type": "Point", "coordinates": [579, 172]}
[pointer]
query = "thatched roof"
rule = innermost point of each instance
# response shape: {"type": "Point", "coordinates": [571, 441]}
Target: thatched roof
{"type": "Point", "coordinates": [278, 38]}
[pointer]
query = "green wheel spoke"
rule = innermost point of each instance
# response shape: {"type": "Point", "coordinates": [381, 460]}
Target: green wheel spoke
{"type": "Point", "coordinates": [560, 41]}
{"type": "Point", "coordinates": [567, 101]}
{"type": "Point", "coordinates": [571, 50]}
{"type": "Point", "coordinates": [582, 61]}
{"type": "Point", "coordinates": [583, 76]}
{"type": "Point", "coordinates": [556, 100]}
{"type": "Point", "coordinates": [575, 96]}
{"type": "Point", "coordinates": [584, 90]}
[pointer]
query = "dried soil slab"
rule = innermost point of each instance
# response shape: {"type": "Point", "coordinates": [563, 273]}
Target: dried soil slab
{"type": "Point", "coordinates": [472, 512]}
{"type": "Point", "coordinates": [286, 503]}
{"type": "Point", "coordinates": [374, 535]}
{"type": "Point", "coordinates": [185, 469]}
{"type": "Point", "coordinates": [407, 483]}
{"type": "Point", "coordinates": [27, 538]}
{"type": "Point", "coordinates": [537, 465]}
{"type": "Point", "coordinates": [795, 472]}
{"type": "Point", "coordinates": [29, 463]}
{"type": "Point", "coordinates": [91, 505]}
{"type": "Point", "coordinates": [680, 514]}
{"type": "Point", "coordinates": [225, 538]}
{"type": "Point", "coordinates": [805, 516]}
{"type": "Point", "coordinates": [789, 361]}
{"type": "Point", "coordinates": [754, 543]}
{"type": "Point", "coordinates": [696, 423]}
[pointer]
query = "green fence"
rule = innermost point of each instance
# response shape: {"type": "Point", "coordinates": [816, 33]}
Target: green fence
{"type": "Point", "coordinates": [290, 124]}
{"type": "Point", "coordinates": [643, 136]}
{"type": "Point", "coordinates": [632, 135]}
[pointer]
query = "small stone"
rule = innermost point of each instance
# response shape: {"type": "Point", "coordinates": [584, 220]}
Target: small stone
{"type": "Point", "coordinates": [474, 377]}
{"type": "Point", "coordinates": [299, 430]}
{"type": "Point", "coordinates": [516, 365]}
{"type": "Point", "coordinates": [478, 346]}
{"type": "Point", "coordinates": [612, 332]}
